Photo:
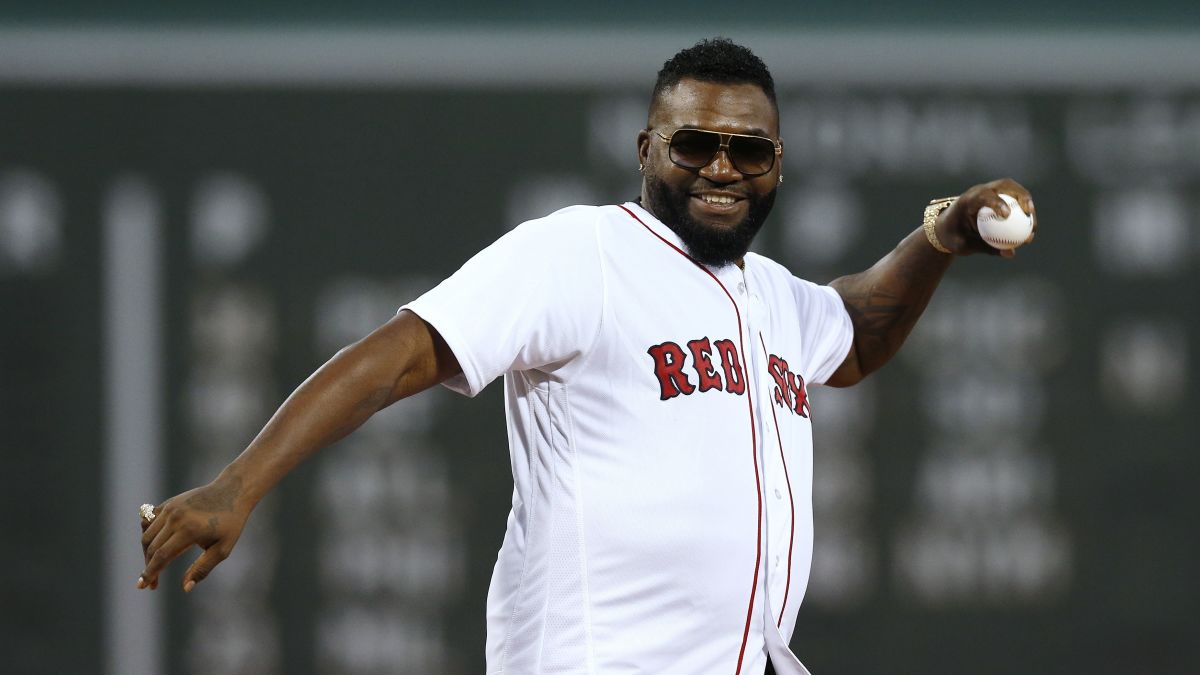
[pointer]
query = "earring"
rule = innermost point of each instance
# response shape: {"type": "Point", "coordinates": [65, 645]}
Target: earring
{"type": "Point", "coordinates": [641, 168]}
{"type": "Point", "coordinates": [780, 178]}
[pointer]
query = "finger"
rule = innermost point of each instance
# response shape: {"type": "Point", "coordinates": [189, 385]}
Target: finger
{"type": "Point", "coordinates": [160, 537]}
{"type": "Point", "coordinates": [149, 532]}
{"type": "Point", "coordinates": [151, 527]}
{"type": "Point", "coordinates": [147, 523]}
{"type": "Point", "coordinates": [1018, 192]}
{"type": "Point", "coordinates": [1026, 201]}
{"type": "Point", "coordinates": [155, 510]}
{"type": "Point", "coordinates": [203, 566]}
{"type": "Point", "coordinates": [163, 555]}
{"type": "Point", "coordinates": [998, 204]}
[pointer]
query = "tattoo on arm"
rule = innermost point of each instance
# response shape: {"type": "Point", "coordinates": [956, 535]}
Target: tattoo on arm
{"type": "Point", "coordinates": [874, 314]}
{"type": "Point", "coordinates": [885, 302]}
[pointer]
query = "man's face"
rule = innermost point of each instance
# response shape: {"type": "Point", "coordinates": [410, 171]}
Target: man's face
{"type": "Point", "coordinates": [686, 200]}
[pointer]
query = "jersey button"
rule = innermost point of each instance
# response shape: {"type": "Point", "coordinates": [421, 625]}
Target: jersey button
{"type": "Point", "coordinates": [741, 288]}
{"type": "Point", "coordinates": [778, 494]}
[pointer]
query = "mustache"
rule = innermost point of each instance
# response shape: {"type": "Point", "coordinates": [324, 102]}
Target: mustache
{"type": "Point", "coordinates": [706, 185]}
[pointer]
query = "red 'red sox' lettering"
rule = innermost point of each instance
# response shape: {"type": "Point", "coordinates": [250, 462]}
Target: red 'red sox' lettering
{"type": "Point", "coordinates": [673, 369]}
{"type": "Point", "coordinates": [702, 357]}
{"type": "Point", "coordinates": [734, 382]}
{"type": "Point", "coordinates": [790, 391]}
{"type": "Point", "coordinates": [669, 367]}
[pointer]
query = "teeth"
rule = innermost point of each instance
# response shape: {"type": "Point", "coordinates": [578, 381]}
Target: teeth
{"type": "Point", "coordinates": [718, 199]}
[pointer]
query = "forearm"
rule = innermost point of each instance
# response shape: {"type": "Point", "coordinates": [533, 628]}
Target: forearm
{"type": "Point", "coordinates": [399, 359]}
{"type": "Point", "coordinates": [331, 403]}
{"type": "Point", "coordinates": [886, 300]}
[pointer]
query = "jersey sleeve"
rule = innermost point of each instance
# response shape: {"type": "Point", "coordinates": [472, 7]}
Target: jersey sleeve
{"type": "Point", "coordinates": [531, 300]}
{"type": "Point", "coordinates": [827, 331]}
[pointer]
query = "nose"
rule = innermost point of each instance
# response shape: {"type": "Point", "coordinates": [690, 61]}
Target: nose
{"type": "Point", "coordinates": [720, 169]}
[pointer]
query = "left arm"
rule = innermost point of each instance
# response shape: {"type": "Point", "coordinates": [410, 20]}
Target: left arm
{"type": "Point", "coordinates": [886, 300]}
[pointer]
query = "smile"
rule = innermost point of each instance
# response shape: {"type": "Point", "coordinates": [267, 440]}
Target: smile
{"type": "Point", "coordinates": [717, 201]}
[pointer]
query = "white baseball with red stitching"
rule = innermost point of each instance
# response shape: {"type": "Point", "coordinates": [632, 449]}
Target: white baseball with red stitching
{"type": "Point", "coordinates": [1004, 233]}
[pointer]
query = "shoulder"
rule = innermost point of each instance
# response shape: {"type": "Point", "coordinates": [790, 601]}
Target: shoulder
{"type": "Point", "coordinates": [773, 271]}
{"type": "Point", "coordinates": [571, 218]}
{"type": "Point", "coordinates": [768, 266]}
{"type": "Point", "coordinates": [567, 244]}
{"type": "Point", "coordinates": [779, 276]}
{"type": "Point", "coordinates": [573, 227]}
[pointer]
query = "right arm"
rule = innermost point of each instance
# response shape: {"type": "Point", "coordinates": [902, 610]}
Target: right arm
{"type": "Point", "coordinates": [400, 358]}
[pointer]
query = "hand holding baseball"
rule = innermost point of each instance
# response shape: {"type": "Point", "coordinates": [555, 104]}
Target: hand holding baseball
{"type": "Point", "coordinates": [1004, 233]}
{"type": "Point", "coordinates": [993, 218]}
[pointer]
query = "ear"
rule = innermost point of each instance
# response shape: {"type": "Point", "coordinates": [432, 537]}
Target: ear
{"type": "Point", "coordinates": [643, 146]}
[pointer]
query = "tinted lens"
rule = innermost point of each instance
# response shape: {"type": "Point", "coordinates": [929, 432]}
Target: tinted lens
{"type": "Point", "coordinates": [693, 148]}
{"type": "Point", "coordinates": [696, 148]}
{"type": "Point", "coordinates": [750, 155]}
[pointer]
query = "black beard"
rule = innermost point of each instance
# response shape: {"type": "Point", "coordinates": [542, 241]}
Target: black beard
{"type": "Point", "coordinates": [709, 245]}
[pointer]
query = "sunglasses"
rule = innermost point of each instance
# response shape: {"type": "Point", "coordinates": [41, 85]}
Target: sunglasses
{"type": "Point", "coordinates": [695, 149]}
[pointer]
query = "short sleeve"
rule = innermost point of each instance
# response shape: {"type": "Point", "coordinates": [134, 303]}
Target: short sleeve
{"type": "Point", "coordinates": [531, 300]}
{"type": "Point", "coordinates": [826, 329]}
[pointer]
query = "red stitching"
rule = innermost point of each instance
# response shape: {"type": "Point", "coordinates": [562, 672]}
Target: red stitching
{"type": "Point", "coordinates": [791, 500]}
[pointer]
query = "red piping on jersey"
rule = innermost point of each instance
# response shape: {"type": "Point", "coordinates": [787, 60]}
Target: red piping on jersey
{"type": "Point", "coordinates": [753, 433]}
{"type": "Point", "coordinates": [791, 501]}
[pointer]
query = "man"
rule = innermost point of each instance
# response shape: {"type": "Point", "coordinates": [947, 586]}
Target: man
{"type": "Point", "coordinates": [656, 377]}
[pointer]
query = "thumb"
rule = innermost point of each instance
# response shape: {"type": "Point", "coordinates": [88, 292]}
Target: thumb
{"type": "Point", "coordinates": [203, 566]}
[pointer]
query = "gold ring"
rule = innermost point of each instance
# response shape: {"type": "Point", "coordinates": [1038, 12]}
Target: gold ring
{"type": "Point", "coordinates": [147, 511]}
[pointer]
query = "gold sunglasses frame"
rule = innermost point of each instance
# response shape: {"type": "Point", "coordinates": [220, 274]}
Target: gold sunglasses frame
{"type": "Point", "coordinates": [724, 141]}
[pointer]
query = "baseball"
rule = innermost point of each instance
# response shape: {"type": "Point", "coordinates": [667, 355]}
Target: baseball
{"type": "Point", "coordinates": [1004, 233]}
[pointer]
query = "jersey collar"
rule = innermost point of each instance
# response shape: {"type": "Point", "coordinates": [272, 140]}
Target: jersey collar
{"type": "Point", "coordinates": [655, 224]}
{"type": "Point", "coordinates": [667, 233]}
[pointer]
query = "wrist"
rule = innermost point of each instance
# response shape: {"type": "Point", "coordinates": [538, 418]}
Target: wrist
{"type": "Point", "coordinates": [243, 494]}
{"type": "Point", "coordinates": [929, 225]}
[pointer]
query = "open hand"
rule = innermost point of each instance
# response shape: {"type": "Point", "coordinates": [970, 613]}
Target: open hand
{"type": "Point", "coordinates": [211, 517]}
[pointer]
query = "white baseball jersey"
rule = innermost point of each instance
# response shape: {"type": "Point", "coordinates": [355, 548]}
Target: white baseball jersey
{"type": "Point", "coordinates": [661, 443]}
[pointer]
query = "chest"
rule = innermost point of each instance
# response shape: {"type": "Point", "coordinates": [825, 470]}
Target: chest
{"type": "Point", "coordinates": [681, 340]}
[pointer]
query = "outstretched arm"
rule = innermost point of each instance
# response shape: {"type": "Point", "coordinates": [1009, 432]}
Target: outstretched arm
{"type": "Point", "coordinates": [886, 300]}
{"type": "Point", "coordinates": [398, 359]}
